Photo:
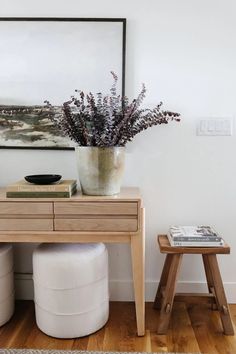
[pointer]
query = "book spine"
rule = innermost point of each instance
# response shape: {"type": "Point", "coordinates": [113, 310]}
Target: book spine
{"type": "Point", "coordinates": [56, 188]}
{"type": "Point", "coordinates": [196, 244]}
{"type": "Point", "coordinates": [197, 239]}
{"type": "Point", "coordinates": [39, 194]}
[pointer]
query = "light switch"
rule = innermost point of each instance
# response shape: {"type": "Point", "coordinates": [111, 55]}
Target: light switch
{"type": "Point", "coordinates": [211, 126]}
{"type": "Point", "coordinates": [203, 125]}
{"type": "Point", "coordinates": [219, 125]}
{"type": "Point", "coordinates": [215, 126]}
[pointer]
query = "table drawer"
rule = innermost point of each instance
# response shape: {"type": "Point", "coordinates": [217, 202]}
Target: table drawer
{"type": "Point", "coordinates": [25, 208]}
{"type": "Point", "coordinates": [26, 224]}
{"type": "Point", "coordinates": [96, 208]}
{"type": "Point", "coordinates": [96, 224]}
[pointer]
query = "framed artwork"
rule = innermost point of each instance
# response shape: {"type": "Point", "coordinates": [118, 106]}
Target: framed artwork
{"type": "Point", "coordinates": [47, 59]}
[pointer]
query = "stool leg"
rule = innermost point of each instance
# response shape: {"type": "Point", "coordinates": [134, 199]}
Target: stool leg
{"type": "Point", "coordinates": [163, 280]}
{"type": "Point", "coordinates": [209, 279]}
{"type": "Point", "coordinates": [167, 302]}
{"type": "Point", "coordinates": [220, 295]}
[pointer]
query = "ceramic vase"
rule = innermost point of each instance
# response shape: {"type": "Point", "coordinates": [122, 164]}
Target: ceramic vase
{"type": "Point", "coordinates": [100, 169]}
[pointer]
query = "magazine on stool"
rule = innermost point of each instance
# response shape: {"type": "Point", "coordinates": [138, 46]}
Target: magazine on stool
{"type": "Point", "coordinates": [194, 236]}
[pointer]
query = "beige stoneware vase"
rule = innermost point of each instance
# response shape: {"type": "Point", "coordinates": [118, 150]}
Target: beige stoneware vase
{"type": "Point", "coordinates": [100, 169]}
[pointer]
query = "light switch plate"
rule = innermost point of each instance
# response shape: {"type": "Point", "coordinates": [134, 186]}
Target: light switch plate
{"type": "Point", "coordinates": [215, 127]}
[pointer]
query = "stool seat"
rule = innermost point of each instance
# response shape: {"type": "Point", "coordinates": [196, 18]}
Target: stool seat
{"type": "Point", "coordinates": [166, 290]}
{"type": "Point", "coordinates": [165, 247]}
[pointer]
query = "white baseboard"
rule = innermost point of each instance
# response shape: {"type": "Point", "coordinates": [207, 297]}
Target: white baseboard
{"type": "Point", "coordinates": [123, 290]}
{"type": "Point", "coordinates": [24, 289]}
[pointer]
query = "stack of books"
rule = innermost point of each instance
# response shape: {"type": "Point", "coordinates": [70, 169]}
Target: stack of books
{"type": "Point", "coordinates": [194, 236]}
{"type": "Point", "coordinates": [22, 189]}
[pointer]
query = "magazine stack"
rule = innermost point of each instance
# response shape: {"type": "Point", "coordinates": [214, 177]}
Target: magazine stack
{"type": "Point", "coordinates": [194, 236]}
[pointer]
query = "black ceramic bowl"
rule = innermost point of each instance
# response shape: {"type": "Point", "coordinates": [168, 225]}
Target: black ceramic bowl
{"type": "Point", "coordinates": [43, 179]}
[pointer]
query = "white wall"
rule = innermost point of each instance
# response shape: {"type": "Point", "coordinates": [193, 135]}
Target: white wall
{"type": "Point", "coordinates": [185, 52]}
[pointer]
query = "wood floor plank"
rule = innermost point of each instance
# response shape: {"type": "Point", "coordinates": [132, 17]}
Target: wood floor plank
{"type": "Point", "coordinates": [233, 312]}
{"type": "Point", "coordinates": [222, 342]}
{"type": "Point", "coordinates": [193, 328]}
{"type": "Point", "coordinates": [200, 322]}
{"type": "Point", "coordinates": [23, 331]}
{"type": "Point", "coordinates": [112, 335]}
{"type": "Point", "coordinates": [158, 342]}
{"type": "Point", "coordinates": [11, 333]}
{"type": "Point", "coordinates": [183, 335]}
{"type": "Point", "coordinates": [128, 330]}
{"type": "Point", "coordinates": [80, 343]}
{"type": "Point", "coordinates": [39, 340]}
{"type": "Point", "coordinates": [209, 332]}
{"type": "Point", "coordinates": [96, 340]}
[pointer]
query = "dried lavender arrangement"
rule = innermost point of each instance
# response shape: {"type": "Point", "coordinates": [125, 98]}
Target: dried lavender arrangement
{"type": "Point", "coordinates": [110, 120]}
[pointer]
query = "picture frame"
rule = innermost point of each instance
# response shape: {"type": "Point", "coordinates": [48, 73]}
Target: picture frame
{"type": "Point", "coordinates": [47, 58]}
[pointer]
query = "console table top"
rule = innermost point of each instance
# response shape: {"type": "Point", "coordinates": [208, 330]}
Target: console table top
{"type": "Point", "coordinates": [126, 194]}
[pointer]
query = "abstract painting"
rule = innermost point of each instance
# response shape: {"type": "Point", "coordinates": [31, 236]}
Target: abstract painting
{"type": "Point", "coordinates": [47, 59]}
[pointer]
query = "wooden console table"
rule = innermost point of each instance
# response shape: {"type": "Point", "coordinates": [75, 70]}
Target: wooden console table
{"type": "Point", "coordinates": [81, 218]}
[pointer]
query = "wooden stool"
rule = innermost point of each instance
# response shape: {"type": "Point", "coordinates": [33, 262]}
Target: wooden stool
{"type": "Point", "coordinates": [166, 290]}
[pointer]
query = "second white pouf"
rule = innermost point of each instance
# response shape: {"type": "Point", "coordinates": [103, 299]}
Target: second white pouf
{"type": "Point", "coordinates": [71, 288]}
{"type": "Point", "coordinates": [7, 303]}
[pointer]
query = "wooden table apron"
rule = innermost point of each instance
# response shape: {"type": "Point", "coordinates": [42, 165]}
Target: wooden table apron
{"type": "Point", "coordinates": [109, 219]}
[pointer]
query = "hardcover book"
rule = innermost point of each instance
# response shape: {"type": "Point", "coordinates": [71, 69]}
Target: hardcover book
{"type": "Point", "coordinates": [40, 194]}
{"type": "Point", "coordinates": [61, 186]}
{"type": "Point", "coordinates": [23, 189]}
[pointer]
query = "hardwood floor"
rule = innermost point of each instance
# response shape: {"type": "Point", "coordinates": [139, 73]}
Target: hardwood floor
{"type": "Point", "coordinates": [193, 328]}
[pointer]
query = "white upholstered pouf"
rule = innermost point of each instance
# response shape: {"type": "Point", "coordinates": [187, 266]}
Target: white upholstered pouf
{"type": "Point", "coordinates": [6, 283]}
{"type": "Point", "coordinates": [71, 288]}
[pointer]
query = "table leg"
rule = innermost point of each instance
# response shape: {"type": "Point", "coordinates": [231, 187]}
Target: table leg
{"type": "Point", "coordinates": [138, 265]}
{"type": "Point", "coordinates": [163, 280]}
{"type": "Point", "coordinates": [220, 295]}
